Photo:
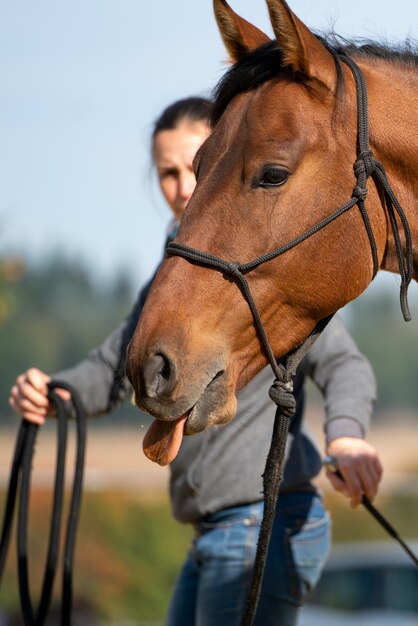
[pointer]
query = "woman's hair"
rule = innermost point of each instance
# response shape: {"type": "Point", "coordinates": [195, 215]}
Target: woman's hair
{"type": "Point", "coordinates": [194, 109]}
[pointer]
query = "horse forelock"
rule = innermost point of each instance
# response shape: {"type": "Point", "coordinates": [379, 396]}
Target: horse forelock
{"type": "Point", "coordinates": [254, 69]}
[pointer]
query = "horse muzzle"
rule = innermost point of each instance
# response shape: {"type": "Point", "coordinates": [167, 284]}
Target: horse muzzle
{"type": "Point", "coordinates": [182, 405]}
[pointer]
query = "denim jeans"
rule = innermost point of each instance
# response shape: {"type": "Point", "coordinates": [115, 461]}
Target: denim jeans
{"type": "Point", "coordinates": [212, 586]}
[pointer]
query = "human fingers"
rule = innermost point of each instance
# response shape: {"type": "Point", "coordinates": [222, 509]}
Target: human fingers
{"type": "Point", "coordinates": [30, 389]}
{"type": "Point", "coordinates": [32, 385]}
{"type": "Point", "coordinates": [37, 379]}
{"type": "Point", "coordinates": [359, 465]}
{"type": "Point", "coordinates": [19, 407]}
{"type": "Point", "coordinates": [28, 396]}
{"type": "Point", "coordinates": [362, 470]}
{"type": "Point", "coordinates": [337, 483]}
{"type": "Point", "coordinates": [63, 394]}
{"type": "Point", "coordinates": [343, 479]}
{"type": "Point", "coordinates": [370, 474]}
{"type": "Point", "coordinates": [353, 483]}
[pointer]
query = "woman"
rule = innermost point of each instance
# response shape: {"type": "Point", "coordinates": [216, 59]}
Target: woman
{"type": "Point", "coordinates": [216, 478]}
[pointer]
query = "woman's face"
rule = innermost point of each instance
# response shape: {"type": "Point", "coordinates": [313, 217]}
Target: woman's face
{"type": "Point", "coordinates": [174, 151]}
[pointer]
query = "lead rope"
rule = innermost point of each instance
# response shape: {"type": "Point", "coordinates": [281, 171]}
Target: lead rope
{"type": "Point", "coordinates": [19, 482]}
{"type": "Point", "coordinates": [281, 391]}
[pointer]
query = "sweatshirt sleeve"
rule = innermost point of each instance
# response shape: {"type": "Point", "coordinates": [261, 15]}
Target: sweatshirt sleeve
{"type": "Point", "coordinates": [346, 380]}
{"type": "Point", "coordinates": [100, 377]}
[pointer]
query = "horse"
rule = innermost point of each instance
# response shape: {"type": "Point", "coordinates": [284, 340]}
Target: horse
{"type": "Point", "coordinates": [279, 160]}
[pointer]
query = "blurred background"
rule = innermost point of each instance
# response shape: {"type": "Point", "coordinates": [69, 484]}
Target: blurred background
{"type": "Point", "coordinates": [82, 228]}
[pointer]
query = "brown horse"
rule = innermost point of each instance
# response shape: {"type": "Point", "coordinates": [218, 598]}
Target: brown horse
{"type": "Point", "coordinates": [279, 160]}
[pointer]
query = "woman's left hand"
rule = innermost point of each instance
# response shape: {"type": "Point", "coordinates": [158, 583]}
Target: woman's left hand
{"type": "Point", "coordinates": [359, 465]}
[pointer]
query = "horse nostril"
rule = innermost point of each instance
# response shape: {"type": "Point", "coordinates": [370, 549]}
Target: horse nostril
{"type": "Point", "coordinates": [158, 375]}
{"type": "Point", "coordinates": [165, 369]}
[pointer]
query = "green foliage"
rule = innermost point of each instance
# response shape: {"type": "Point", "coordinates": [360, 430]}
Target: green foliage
{"type": "Point", "coordinates": [52, 315]}
{"type": "Point", "coordinates": [351, 525]}
{"type": "Point", "coordinates": [143, 547]}
{"type": "Point", "coordinates": [376, 323]}
{"type": "Point", "coordinates": [128, 554]}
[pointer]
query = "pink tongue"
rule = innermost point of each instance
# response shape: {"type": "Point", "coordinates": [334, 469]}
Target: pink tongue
{"type": "Point", "coordinates": [163, 439]}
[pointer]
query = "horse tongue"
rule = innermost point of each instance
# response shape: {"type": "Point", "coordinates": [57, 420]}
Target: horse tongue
{"type": "Point", "coordinates": [163, 439]}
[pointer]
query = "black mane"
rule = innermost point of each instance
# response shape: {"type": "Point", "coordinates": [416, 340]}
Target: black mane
{"type": "Point", "coordinates": [265, 63]}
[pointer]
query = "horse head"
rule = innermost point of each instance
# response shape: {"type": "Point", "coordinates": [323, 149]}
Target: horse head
{"type": "Point", "coordinates": [278, 161]}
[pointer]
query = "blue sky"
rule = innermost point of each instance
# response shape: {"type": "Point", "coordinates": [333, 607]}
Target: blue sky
{"type": "Point", "coordinates": [80, 86]}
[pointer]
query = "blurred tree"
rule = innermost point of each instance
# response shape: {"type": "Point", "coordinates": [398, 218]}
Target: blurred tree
{"type": "Point", "coordinates": [375, 321]}
{"type": "Point", "coordinates": [12, 270]}
{"type": "Point", "coordinates": [53, 314]}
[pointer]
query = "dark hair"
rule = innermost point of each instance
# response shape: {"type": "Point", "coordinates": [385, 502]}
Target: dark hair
{"type": "Point", "coordinates": [266, 63]}
{"type": "Point", "coordinates": [194, 109]}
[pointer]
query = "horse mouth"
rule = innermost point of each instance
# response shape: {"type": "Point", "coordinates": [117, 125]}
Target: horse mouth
{"type": "Point", "coordinates": [163, 439]}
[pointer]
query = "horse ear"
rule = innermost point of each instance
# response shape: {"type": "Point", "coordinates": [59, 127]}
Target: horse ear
{"type": "Point", "coordinates": [239, 36]}
{"type": "Point", "coordinates": [302, 51]}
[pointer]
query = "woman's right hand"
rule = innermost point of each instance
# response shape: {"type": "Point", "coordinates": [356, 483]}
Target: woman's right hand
{"type": "Point", "coordinates": [29, 396]}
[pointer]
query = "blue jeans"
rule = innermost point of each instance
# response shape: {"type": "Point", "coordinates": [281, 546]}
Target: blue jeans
{"type": "Point", "coordinates": [212, 586]}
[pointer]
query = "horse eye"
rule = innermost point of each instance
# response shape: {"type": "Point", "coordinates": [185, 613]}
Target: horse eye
{"type": "Point", "coordinates": [273, 177]}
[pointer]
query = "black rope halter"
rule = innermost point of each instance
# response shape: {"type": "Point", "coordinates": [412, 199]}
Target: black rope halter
{"type": "Point", "coordinates": [19, 483]}
{"type": "Point", "coordinates": [281, 391]}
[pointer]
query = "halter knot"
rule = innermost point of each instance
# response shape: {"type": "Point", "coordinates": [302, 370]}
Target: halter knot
{"type": "Point", "coordinates": [232, 268]}
{"type": "Point", "coordinates": [281, 392]}
{"type": "Point", "coordinates": [360, 192]}
{"type": "Point", "coordinates": [365, 164]}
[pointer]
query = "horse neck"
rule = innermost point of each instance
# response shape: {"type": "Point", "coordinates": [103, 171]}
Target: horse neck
{"type": "Point", "coordinates": [393, 97]}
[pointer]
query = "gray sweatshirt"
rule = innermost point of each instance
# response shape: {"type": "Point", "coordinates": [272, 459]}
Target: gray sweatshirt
{"type": "Point", "coordinates": [222, 467]}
